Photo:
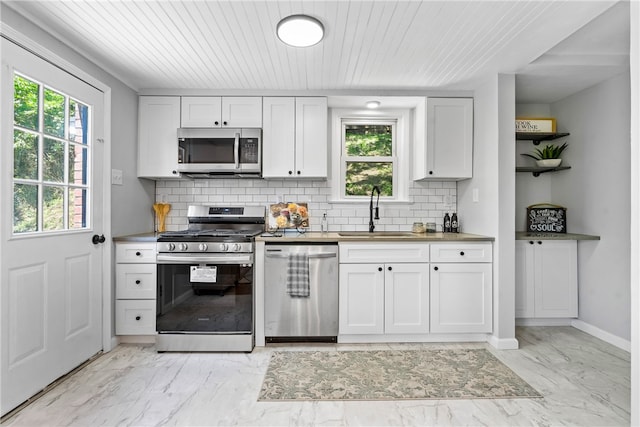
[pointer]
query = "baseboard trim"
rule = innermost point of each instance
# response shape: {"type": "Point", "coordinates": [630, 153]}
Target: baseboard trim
{"type": "Point", "coordinates": [503, 343]}
{"type": "Point", "coordinates": [544, 322]}
{"type": "Point", "coordinates": [605, 336]}
{"type": "Point", "coordinates": [137, 339]}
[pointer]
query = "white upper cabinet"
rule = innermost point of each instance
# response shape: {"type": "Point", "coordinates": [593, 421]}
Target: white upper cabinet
{"type": "Point", "coordinates": [294, 136]}
{"type": "Point", "coordinates": [158, 123]}
{"type": "Point", "coordinates": [278, 136]}
{"type": "Point", "coordinates": [444, 144]}
{"type": "Point", "coordinates": [219, 112]}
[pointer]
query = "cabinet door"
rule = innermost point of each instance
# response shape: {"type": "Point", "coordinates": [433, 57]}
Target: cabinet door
{"type": "Point", "coordinates": [136, 317]}
{"type": "Point", "coordinates": [201, 112]}
{"type": "Point", "coordinates": [158, 123]}
{"type": "Point", "coordinates": [555, 281]}
{"type": "Point", "coordinates": [524, 279]}
{"type": "Point", "coordinates": [449, 139]}
{"type": "Point", "coordinates": [136, 281]}
{"type": "Point", "coordinates": [135, 252]}
{"type": "Point", "coordinates": [242, 111]}
{"type": "Point", "coordinates": [361, 299]}
{"type": "Point", "coordinates": [406, 289]}
{"type": "Point", "coordinates": [278, 136]}
{"type": "Point", "coordinates": [311, 137]}
{"type": "Point", "coordinates": [461, 297]}
{"type": "Point", "coordinates": [384, 253]}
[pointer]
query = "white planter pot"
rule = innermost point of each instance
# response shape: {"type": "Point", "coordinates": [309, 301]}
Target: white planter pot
{"type": "Point", "coordinates": [549, 163]}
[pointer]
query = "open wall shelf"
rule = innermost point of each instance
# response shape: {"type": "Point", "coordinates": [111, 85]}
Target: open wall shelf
{"type": "Point", "coordinates": [536, 171]}
{"type": "Point", "coordinates": [537, 137]}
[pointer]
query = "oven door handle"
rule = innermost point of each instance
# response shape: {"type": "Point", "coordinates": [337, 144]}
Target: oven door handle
{"type": "Point", "coordinates": [204, 259]}
{"type": "Point", "coordinates": [236, 150]}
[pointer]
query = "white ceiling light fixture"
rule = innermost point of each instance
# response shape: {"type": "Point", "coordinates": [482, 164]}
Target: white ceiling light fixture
{"type": "Point", "coordinates": [300, 30]}
{"type": "Point", "coordinates": [372, 104]}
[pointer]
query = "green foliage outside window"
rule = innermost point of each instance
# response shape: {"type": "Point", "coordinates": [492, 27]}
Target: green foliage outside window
{"type": "Point", "coordinates": [374, 141]}
{"type": "Point", "coordinates": [34, 173]}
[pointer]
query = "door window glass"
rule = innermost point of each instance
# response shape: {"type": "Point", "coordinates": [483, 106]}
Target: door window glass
{"type": "Point", "coordinates": [50, 159]}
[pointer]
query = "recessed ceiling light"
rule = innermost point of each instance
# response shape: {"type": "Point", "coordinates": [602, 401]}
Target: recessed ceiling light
{"type": "Point", "coordinates": [373, 104]}
{"type": "Point", "coordinates": [300, 30]}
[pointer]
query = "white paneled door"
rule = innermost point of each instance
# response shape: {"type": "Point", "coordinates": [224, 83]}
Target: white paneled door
{"type": "Point", "coordinates": [51, 182]}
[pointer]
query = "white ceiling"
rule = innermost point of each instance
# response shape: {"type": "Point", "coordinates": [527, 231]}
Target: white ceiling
{"type": "Point", "coordinates": [594, 53]}
{"type": "Point", "coordinates": [373, 47]}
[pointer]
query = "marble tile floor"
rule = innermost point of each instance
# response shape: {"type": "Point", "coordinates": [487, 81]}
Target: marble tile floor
{"type": "Point", "coordinates": [585, 382]}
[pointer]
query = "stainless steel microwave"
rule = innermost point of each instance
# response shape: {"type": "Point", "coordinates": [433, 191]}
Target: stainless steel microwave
{"type": "Point", "coordinates": [220, 151]}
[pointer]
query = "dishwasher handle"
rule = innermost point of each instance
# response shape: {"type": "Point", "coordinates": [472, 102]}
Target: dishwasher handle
{"type": "Point", "coordinates": [278, 254]}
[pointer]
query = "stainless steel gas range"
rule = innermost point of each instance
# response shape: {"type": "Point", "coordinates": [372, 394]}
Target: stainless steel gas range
{"type": "Point", "coordinates": [205, 284]}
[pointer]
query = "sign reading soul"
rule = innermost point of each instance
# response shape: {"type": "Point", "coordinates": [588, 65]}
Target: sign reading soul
{"type": "Point", "coordinates": [546, 218]}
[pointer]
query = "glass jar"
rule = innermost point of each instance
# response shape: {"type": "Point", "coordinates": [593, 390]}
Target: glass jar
{"type": "Point", "coordinates": [418, 227]}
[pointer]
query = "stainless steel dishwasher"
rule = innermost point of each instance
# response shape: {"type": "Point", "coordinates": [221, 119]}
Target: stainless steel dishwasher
{"type": "Point", "coordinates": [294, 318]}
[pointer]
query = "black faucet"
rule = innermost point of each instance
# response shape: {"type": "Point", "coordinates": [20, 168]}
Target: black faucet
{"type": "Point", "coordinates": [377, 215]}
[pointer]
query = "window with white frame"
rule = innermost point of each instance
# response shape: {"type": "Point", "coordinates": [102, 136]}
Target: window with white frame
{"type": "Point", "coordinates": [370, 148]}
{"type": "Point", "coordinates": [50, 159]}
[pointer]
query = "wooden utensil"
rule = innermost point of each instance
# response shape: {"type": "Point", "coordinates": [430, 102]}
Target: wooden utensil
{"type": "Point", "coordinates": [161, 210]}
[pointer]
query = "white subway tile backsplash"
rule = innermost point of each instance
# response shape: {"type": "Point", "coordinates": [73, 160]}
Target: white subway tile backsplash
{"type": "Point", "coordinates": [428, 201]}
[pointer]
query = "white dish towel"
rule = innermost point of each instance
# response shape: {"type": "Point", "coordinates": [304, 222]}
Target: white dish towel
{"type": "Point", "coordinates": [298, 275]}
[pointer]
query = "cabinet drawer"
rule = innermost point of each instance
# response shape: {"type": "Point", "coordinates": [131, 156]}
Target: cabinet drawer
{"type": "Point", "coordinates": [136, 281]}
{"type": "Point", "coordinates": [135, 317]}
{"type": "Point", "coordinates": [384, 252]}
{"type": "Point", "coordinates": [461, 252]}
{"type": "Point", "coordinates": [136, 252]}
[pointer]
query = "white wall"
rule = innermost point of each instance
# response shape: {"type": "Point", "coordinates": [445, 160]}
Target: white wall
{"type": "Point", "coordinates": [596, 193]}
{"type": "Point", "coordinates": [494, 181]}
{"type": "Point", "coordinates": [634, 59]}
{"type": "Point", "coordinates": [131, 202]}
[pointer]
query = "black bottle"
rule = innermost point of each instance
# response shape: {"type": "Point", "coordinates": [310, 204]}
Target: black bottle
{"type": "Point", "coordinates": [446, 223]}
{"type": "Point", "coordinates": [454, 223]}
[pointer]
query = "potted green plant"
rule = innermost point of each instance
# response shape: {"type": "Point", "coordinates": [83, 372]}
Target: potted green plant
{"type": "Point", "coordinates": [548, 156]}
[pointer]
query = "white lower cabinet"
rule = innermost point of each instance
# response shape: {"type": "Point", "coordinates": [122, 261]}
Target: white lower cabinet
{"type": "Point", "coordinates": [406, 299]}
{"type": "Point", "coordinates": [361, 299]}
{"type": "Point", "coordinates": [135, 288]}
{"type": "Point", "coordinates": [384, 298]}
{"type": "Point", "coordinates": [546, 278]}
{"type": "Point", "coordinates": [461, 298]}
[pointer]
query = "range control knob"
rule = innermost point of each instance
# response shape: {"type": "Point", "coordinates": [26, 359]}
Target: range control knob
{"type": "Point", "coordinates": [237, 247]}
{"type": "Point", "coordinates": [183, 247]}
{"type": "Point", "coordinates": [203, 247]}
{"type": "Point", "coordinates": [224, 247]}
{"type": "Point", "coordinates": [171, 247]}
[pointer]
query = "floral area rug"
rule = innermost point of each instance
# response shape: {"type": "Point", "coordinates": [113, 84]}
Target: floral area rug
{"type": "Point", "coordinates": [387, 375]}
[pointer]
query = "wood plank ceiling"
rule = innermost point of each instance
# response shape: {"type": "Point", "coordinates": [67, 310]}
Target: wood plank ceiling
{"type": "Point", "coordinates": [369, 45]}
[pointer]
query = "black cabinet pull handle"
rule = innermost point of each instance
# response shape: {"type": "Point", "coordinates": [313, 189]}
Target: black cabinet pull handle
{"type": "Point", "coordinates": [137, 282]}
{"type": "Point", "coordinates": [290, 172]}
{"type": "Point", "coordinates": [224, 123]}
{"type": "Point", "coordinates": [298, 172]}
{"type": "Point", "coordinates": [216, 123]}
{"type": "Point", "coordinates": [379, 268]}
{"type": "Point", "coordinates": [174, 172]}
{"type": "Point", "coordinates": [430, 172]}
{"type": "Point", "coordinates": [461, 253]}
{"type": "Point", "coordinates": [138, 317]}
{"type": "Point", "coordinates": [531, 242]}
{"type": "Point", "coordinates": [539, 242]}
{"type": "Point", "coordinates": [138, 254]}
{"type": "Point", "coordinates": [389, 268]}
{"type": "Point", "coordinates": [435, 268]}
